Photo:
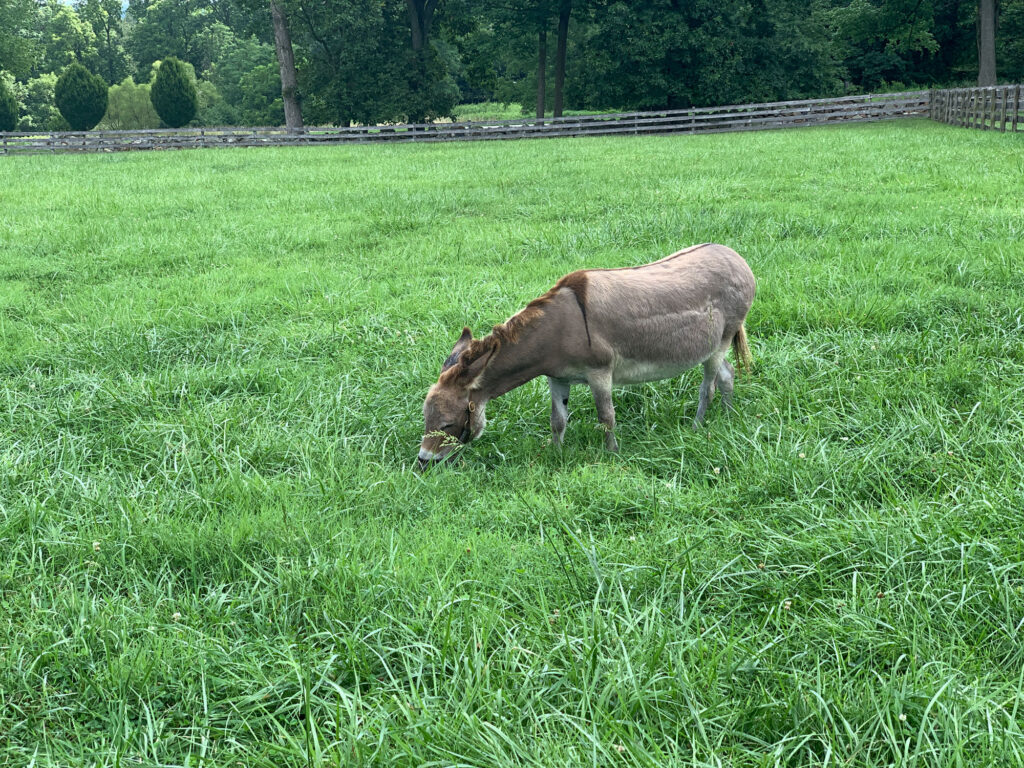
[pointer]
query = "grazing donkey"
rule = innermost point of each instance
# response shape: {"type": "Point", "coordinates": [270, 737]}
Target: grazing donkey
{"type": "Point", "coordinates": [600, 327]}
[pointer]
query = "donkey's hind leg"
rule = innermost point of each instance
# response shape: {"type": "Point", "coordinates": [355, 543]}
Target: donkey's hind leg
{"type": "Point", "coordinates": [724, 381]}
{"type": "Point", "coordinates": [712, 366]}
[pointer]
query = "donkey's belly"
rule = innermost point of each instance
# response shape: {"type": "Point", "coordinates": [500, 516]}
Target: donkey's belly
{"type": "Point", "coordinates": [628, 371]}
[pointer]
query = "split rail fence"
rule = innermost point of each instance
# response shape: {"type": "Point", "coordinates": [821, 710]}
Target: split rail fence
{"type": "Point", "coordinates": [997, 108]}
{"type": "Point", "coordinates": [975, 107]}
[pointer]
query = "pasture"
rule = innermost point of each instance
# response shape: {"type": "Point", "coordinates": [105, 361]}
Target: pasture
{"type": "Point", "coordinates": [216, 550]}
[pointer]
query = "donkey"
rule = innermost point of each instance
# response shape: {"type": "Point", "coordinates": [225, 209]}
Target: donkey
{"type": "Point", "coordinates": [600, 327]}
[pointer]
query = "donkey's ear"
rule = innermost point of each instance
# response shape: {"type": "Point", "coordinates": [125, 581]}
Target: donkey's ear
{"type": "Point", "coordinates": [460, 347]}
{"type": "Point", "coordinates": [477, 359]}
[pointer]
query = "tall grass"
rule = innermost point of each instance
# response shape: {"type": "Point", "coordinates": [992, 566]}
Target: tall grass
{"type": "Point", "coordinates": [217, 552]}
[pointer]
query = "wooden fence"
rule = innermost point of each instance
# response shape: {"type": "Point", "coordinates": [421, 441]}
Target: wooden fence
{"type": "Point", "coordinates": [744, 117]}
{"type": "Point", "coordinates": [997, 108]}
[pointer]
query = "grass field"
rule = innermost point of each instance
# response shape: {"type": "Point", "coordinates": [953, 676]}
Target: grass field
{"type": "Point", "coordinates": [216, 550]}
{"type": "Point", "coordinates": [495, 110]}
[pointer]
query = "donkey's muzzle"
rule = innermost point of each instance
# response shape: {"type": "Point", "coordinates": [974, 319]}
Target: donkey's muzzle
{"type": "Point", "coordinates": [428, 459]}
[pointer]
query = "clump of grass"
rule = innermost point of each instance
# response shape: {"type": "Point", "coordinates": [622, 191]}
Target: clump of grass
{"type": "Point", "coordinates": [211, 367]}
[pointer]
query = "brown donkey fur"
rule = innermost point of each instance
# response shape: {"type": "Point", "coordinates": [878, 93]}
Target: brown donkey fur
{"type": "Point", "coordinates": [600, 327]}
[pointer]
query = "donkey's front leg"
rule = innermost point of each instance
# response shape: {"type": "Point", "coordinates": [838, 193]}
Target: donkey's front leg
{"type": "Point", "coordinates": [601, 385]}
{"type": "Point", "coordinates": [559, 409]}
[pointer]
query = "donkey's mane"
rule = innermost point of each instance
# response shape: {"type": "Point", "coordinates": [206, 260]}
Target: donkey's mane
{"type": "Point", "coordinates": [509, 331]}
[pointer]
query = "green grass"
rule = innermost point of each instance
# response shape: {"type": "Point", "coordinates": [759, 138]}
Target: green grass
{"type": "Point", "coordinates": [488, 110]}
{"type": "Point", "coordinates": [216, 551]}
{"type": "Point", "coordinates": [494, 110]}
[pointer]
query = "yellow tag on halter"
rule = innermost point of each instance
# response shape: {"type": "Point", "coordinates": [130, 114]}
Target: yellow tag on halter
{"type": "Point", "coordinates": [472, 406]}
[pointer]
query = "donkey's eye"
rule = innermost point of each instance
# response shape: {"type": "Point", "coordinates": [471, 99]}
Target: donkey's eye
{"type": "Point", "coordinates": [446, 427]}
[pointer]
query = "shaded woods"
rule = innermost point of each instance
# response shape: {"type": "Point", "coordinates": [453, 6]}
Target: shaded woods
{"type": "Point", "coordinates": [271, 62]}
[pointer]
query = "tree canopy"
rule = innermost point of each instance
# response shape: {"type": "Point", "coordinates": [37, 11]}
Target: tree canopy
{"type": "Point", "coordinates": [372, 61]}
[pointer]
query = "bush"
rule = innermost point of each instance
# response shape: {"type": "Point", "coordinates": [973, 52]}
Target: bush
{"type": "Point", "coordinates": [39, 112]}
{"type": "Point", "coordinates": [81, 97]}
{"type": "Point", "coordinates": [173, 95]}
{"type": "Point", "coordinates": [8, 108]}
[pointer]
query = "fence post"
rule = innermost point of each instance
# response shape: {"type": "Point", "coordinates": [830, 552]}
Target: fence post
{"type": "Point", "coordinates": [1016, 107]}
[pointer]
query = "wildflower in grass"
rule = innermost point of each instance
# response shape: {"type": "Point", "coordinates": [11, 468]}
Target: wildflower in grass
{"type": "Point", "coordinates": [717, 470]}
{"type": "Point", "coordinates": [787, 605]}
{"type": "Point", "coordinates": [803, 455]}
{"type": "Point", "coordinates": [760, 566]}
{"type": "Point", "coordinates": [619, 748]}
{"type": "Point", "coordinates": [880, 595]}
{"type": "Point", "coordinates": [632, 538]}
{"type": "Point", "coordinates": [903, 717]}
{"type": "Point", "coordinates": [95, 546]}
{"type": "Point", "coordinates": [176, 616]}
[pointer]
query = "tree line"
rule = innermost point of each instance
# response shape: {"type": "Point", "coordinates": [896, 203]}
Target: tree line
{"type": "Point", "coordinates": [270, 62]}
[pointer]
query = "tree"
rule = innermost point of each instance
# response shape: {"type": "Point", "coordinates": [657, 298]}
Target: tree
{"type": "Point", "coordinates": [68, 38]}
{"type": "Point", "coordinates": [170, 28]}
{"type": "Point", "coordinates": [81, 97]}
{"type": "Point", "coordinates": [130, 108]}
{"type": "Point", "coordinates": [105, 18]}
{"type": "Point", "coordinates": [18, 47]}
{"type": "Point", "coordinates": [286, 62]}
{"type": "Point", "coordinates": [564, 12]}
{"type": "Point", "coordinates": [8, 107]}
{"type": "Point", "coordinates": [39, 110]}
{"type": "Point", "coordinates": [358, 64]}
{"type": "Point", "coordinates": [986, 42]}
{"type": "Point", "coordinates": [173, 95]}
{"type": "Point", "coordinates": [421, 18]}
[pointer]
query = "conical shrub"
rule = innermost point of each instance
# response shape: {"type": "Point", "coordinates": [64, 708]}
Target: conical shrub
{"type": "Point", "coordinates": [173, 95]}
{"type": "Point", "coordinates": [81, 97]}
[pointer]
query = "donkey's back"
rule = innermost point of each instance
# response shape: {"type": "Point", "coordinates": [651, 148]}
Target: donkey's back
{"type": "Point", "coordinates": [656, 320]}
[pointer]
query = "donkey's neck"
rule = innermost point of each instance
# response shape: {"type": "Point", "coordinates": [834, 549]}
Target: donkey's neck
{"type": "Point", "coordinates": [514, 364]}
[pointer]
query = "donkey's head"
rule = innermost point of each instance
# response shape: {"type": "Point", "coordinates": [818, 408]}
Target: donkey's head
{"type": "Point", "coordinates": [452, 415]}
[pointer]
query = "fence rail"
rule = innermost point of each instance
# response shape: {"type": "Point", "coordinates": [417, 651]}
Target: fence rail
{"type": "Point", "coordinates": [996, 108]}
{"type": "Point", "coordinates": [741, 117]}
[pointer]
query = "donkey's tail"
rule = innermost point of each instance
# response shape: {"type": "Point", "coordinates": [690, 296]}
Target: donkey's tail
{"type": "Point", "coordinates": [741, 350]}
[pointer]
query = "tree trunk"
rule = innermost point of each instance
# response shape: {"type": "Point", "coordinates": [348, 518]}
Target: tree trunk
{"type": "Point", "coordinates": [542, 57]}
{"type": "Point", "coordinates": [986, 42]}
{"type": "Point", "coordinates": [421, 15]}
{"type": "Point", "coordinates": [565, 9]}
{"type": "Point", "coordinates": [286, 62]}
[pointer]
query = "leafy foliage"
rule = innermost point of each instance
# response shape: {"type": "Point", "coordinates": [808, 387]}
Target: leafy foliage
{"type": "Point", "coordinates": [360, 60]}
{"type": "Point", "coordinates": [81, 97]}
{"type": "Point", "coordinates": [173, 93]}
{"type": "Point", "coordinates": [40, 108]}
{"type": "Point", "coordinates": [130, 107]}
